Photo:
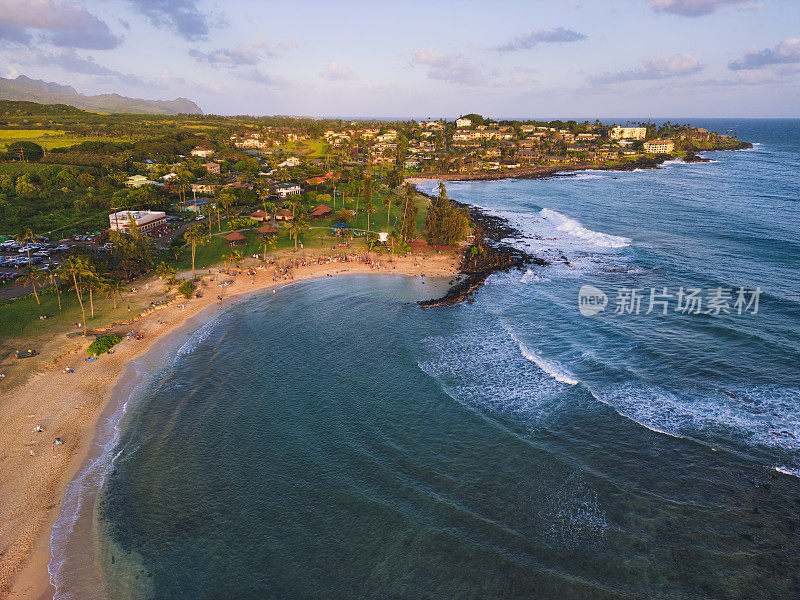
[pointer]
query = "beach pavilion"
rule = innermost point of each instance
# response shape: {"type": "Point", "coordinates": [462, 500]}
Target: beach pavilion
{"type": "Point", "coordinates": [235, 238]}
{"type": "Point", "coordinates": [267, 229]}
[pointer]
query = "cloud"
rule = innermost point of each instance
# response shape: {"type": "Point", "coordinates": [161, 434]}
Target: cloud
{"type": "Point", "coordinates": [64, 24]}
{"type": "Point", "coordinates": [787, 52]}
{"type": "Point", "coordinates": [528, 40]}
{"type": "Point", "coordinates": [697, 8]}
{"type": "Point", "coordinates": [658, 67]}
{"type": "Point", "coordinates": [288, 44]}
{"type": "Point", "coordinates": [226, 56]}
{"type": "Point", "coordinates": [452, 68]}
{"type": "Point", "coordinates": [14, 33]}
{"type": "Point", "coordinates": [184, 17]}
{"type": "Point", "coordinates": [69, 61]}
{"type": "Point", "coordinates": [336, 72]}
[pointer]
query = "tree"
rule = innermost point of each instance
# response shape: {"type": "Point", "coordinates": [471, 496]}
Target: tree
{"type": "Point", "coordinates": [30, 276]}
{"type": "Point", "coordinates": [114, 287]}
{"type": "Point", "coordinates": [299, 225]}
{"type": "Point", "coordinates": [446, 223]}
{"type": "Point", "coordinates": [75, 267]}
{"type": "Point", "coordinates": [268, 243]}
{"type": "Point", "coordinates": [194, 236]}
{"type": "Point", "coordinates": [24, 238]}
{"type": "Point", "coordinates": [408, 228]}
{"type": "Point", "coordinates": [52, 273]}
{"type": "Point", "coordinates": [25, 151]}
{"type": "Point", "coordinates": [93, 283]}
{"type": "Point", "coordinates": [133, 251]}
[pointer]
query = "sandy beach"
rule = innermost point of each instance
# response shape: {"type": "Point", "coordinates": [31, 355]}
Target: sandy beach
{"type": "Point", "coordinates": [69, 405]}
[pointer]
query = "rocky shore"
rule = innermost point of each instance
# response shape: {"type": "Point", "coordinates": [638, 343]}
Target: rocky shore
{"type": "Point", "coordinates": [643, 162]}
{"type": "Point", "coordinates": [487, 254]}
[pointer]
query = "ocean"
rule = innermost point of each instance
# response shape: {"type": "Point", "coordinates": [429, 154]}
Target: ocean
{"type": "Point", "coordinates": [624, 423]}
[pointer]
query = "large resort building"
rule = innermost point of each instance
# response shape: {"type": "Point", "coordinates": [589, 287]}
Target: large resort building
{"type": "Point", "coordinates": [147, 221]}
{"type": "Point", "coordinates": [628, 133]}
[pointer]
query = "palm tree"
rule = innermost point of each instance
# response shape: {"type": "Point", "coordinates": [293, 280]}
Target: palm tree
{"type": "Point", "coordinates": [194, 236]}
{"type": "Point", "coordinates": [52, 273]}
{"type": "Point", "coordinates": [115, 288]}
{"type": "Point", "coordinates": [75, 268]}
{"type": "Point", "coordinates": [268, 242]}
{"type": "Point", "coordinates": [236, 258]}
{"type": "Point", "coordinates": [92, 282]}
{"type": "Point", "coordinates": [30, 276]}
{"type": "Point", "coordinates": [23, 238]}
{"type": "Point", "coordinates": [299, 225]}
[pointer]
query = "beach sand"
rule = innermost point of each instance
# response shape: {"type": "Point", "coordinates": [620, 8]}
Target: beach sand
{"type": "Point", "coordinates": [69, 405]}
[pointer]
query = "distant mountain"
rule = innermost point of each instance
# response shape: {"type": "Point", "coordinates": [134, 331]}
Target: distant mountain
{"type": "Point", "coordinates": [43, 92]}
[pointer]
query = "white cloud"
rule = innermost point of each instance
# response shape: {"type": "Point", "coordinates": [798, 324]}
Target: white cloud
{"type": "Point", "coordinates": [541, 36]}
{"type": "Point", "coordinates": [64, 24]}
{"type": "Point", "coordinates": [336, 72]}
{"type": "Point", "coordinates": [452, 68]}
{"type": "Point", "coordinates": [658, 67]}
{"type": "Point", "coordinates": [698, 8]}
{"type": "Point", "coordinates": [787, 52]}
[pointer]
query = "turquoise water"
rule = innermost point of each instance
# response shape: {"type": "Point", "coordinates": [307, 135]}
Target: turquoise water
{"type": "Point", "coordinates": [338, 441]}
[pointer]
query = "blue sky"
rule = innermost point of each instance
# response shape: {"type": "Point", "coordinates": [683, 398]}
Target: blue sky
{"type": "Point", "coordinates": [549, 58]}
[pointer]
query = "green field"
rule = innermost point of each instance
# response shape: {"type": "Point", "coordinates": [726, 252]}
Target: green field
{"type": "Point", "coordinates": [49, 139]}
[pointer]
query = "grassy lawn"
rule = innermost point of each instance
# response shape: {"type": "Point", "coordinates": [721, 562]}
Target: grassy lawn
{"type": "Point", "coordinates": [312, 149]}
{"type": "Point", "coordinates": [19, 319]}
{"type": "Point", "coordinates": [51, 138]}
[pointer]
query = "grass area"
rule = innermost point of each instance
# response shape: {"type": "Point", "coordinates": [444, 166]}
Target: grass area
{"type": "Point", "coordinates": [50, 138]}
{"type": "Point", "coordinates": [19, 319]}
{"type": "Point", "coordinates": [312, 149]}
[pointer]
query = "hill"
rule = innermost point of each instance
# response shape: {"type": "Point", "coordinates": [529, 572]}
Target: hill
{"type": "Point", "coordinates": [35, 90]}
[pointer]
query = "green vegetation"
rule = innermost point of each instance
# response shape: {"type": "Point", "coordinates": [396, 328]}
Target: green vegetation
{"type": "Point", "coordinates": [186, 288]}
{"type": "Point", "coordinates": [103, 344]}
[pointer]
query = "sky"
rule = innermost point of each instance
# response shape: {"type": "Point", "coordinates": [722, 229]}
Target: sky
{"type": "Point", "coordinates": [420, 58]}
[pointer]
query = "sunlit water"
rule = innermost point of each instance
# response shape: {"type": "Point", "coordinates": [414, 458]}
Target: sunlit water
{"type": "Point", "coordinates": [338, 441]}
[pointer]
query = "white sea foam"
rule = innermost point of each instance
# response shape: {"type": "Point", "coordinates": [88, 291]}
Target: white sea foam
{"type": "Point", "coordinates": [787, 470]}
{"type": "Point", "coordinates": [531, 277]}
{"type": "Point", "coordinates": [573, 227]}
{"type": "Point", "coordinates": [765, 416]}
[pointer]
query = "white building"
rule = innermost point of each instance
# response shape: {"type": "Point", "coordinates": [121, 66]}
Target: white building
{"type": "Point", "coordinates": [462, 122]}
{"type": "Point", "coordinates": [147, 221]}
{"type": "Point", "coordinates": [202, 152]}
{"type": "Point", "coordinates": [629, 133]}
{"type": "Point", "coordinates": [287, 189]}
{"type": "Point", "coordinates": [135, 181]}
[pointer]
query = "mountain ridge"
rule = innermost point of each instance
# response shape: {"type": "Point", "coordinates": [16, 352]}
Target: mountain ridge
{"type": "Point", "coordinates": [48, 92]}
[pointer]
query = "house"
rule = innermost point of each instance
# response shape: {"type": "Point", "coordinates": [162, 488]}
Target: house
{"type": "Point", "coordinates": [212, 168]}
{"type": "Point", "coordinates": [135, 181]}
{"type": "Point", "coordinates": [321, 211]}
{"type": "Point", "coordinates": [631, 133]}
{"type": "Point", "coordinates": [287, 189]}
{"type": "Point", "coordinates": [463, 122]}
{"type": "Point", "coordinates": [147, 221]}
{"type": "Point", "coordinates": [260, 216]}
{"type": "Point", "coordinates": [235, 238]}
{"type": "Point", "coordinates": [204, 187]}
{"type": "Point", "coordinates": [202, 152]}
{"type": "Point", "coordinates": [659, 146]}
{"type": "Point", "coordinates": [292, 161]}
{"type": "Point", "coordinates": [284, 215]}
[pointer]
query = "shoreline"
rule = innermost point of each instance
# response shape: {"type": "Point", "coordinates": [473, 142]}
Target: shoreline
{"type": "Point", "coordinates": [72, 407]}
{"type": "Point", "coordinates": [544, 172]}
